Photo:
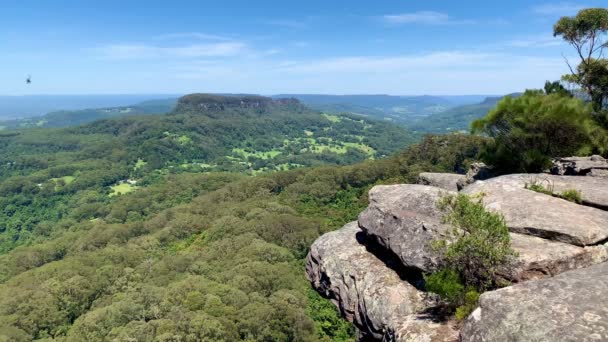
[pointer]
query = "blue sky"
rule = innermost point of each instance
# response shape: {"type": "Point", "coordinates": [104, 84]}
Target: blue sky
{"type": "Point", "coordinates": [332, 46]}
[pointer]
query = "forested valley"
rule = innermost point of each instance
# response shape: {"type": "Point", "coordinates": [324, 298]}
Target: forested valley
{"type": "Point", "coordinates": [193, 225]}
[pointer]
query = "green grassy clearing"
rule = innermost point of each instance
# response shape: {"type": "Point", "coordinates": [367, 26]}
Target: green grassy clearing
{"type": "Point", "coordinates": [121, 189]}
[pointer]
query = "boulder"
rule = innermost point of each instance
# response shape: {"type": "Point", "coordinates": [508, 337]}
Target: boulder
{"type": "Point", "coordinates": [446, 181]}
{"type": "Point", "coordinates": [532, 213]}
{"type": "Point", "coordinates": [404, 219]}
{"type": "Point", "coordinates": [572, 306]}
{"type": "Point", "coordinates": [368, 293]}
{"type": "Point", "coordinates": [580, 166]}
{"type": "Point", "coordinates": [539, 258]}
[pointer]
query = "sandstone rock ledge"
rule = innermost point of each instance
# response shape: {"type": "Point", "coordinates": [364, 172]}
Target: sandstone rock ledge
{"type": "Point", "coordinates": [572, 306]}
{"type": "Point", "coordinates": [371, 269]}
{"type": "Point", "coordinates": [369, 293]}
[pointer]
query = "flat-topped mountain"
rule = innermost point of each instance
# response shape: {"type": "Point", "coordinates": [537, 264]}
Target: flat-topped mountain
{"type": "Point", "coordinates": [212, 102]}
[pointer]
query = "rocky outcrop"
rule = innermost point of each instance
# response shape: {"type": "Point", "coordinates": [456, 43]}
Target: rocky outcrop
{"type": "Point", "coordinates": [371, 269]}
{"type": "Point", "coordinates": [405, 219]}
{"type": "Point", "coordinates": [539, 258]}
{"type": "Point", "coordinates": [369, 293]}
{"type": "Point", "coordinates": [580, 166]}
{"type": "Point", "coordinates": [206, 103]}
{"type": "Point", "coordinates": [572, 306]}
{"type": "Point", "coordinates": [538, 214]}
{"type": "Point", "coordinates": [446, 181]}
{"type": "Point", "coordinates": [593, 190]}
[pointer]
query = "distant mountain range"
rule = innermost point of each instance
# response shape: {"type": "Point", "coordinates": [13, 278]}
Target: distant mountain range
{"type": "Point", "coordinates": [434, 114]}
{"type": "Point", "coordinates": [457, 119]}
{"type": "Point", "coordinates": [400, 109]}
{"type": "Point", "coordinates": [66, 118]}
{"type": "Point", "coordinates": [18, 107]}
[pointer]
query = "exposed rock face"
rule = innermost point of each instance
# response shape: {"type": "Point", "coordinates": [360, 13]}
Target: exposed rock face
{"type": "Point", "coordinates": [368, 293]}
{"type": "Point", "coordinates": [405, 220]}
{"type": "Point", "coordinates": [446, 181]}
{"type": "Point", "coordinates": [532, 213]}
{"type": "Point", "coordinates": [593, 190]}
{"type": "Point", "coordinates": [572, 306]}
{"type": "Point", "coordinates": [212, 102]}
{"type": "Point", "coordinates": [371, 268]}
{"type": "Point", "coordinates": [539, 258]}
{"type": "Point", "coordinates": [580, 166]}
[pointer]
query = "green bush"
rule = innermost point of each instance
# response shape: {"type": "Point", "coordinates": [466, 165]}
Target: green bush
{"type": "Point", "coordinates": [473, 253]}
{"type": "Point", "coordinates": [572, 195]}
{"type": "Point", "coordinates": [531, 129]}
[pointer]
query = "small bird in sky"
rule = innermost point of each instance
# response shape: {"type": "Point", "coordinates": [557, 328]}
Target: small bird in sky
{"type": "Point", "coordinates": [28, 80]}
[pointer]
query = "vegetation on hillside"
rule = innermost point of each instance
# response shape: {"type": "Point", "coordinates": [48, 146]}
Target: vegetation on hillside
{"type": "Point", "coordinates": [196, 256]}
{"type": "Point", "coordinates": [49, 176]}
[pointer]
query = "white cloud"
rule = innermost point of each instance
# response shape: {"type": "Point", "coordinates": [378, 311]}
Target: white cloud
{"type": "Point", "coordinates": [145, 51]}
{"type": "Point", "coordinates": [435, 60]}
{"type": "Point", "coordinates": [442, 72]}
{"type": "Point", "coordinates": [558, 9]}
{"type": "Point", "coordinates": [422, 17]}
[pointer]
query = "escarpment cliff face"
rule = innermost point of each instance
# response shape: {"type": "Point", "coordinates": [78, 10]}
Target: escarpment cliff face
{"type": "Point", "coordinates": [372, 269]}
{"type": "Point", "coordinates": [210, 103]}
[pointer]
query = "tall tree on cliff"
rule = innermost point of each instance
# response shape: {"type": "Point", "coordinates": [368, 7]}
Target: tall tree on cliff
{"type": "Point", "coordinates": [587, 32]}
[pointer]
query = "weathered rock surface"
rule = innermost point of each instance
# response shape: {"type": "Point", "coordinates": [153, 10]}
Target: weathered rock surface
{"type": "Point", "coordinates": [368, 293]}
{"type": "Point", "coordinates": [580, 166]}
{"type": "Point", "coordinates": [594, 190]}
{"type": "Point", "coordinates": [572, 306]}
{"type": "Point", "coordinates": [539, 258]}
{"type": "Point", "coordinates": [405, 219]}
{"type": "Point", "coordinates": [533, 213]}
{"type": "Point", "coordinates": [446, 181]}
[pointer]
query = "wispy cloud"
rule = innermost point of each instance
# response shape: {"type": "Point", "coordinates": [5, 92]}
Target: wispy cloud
{"type": "Point", "coordinates": [145, 51]}
{"type": "Point", "coordinates": [436, 60]}
{"type": "Point", "coordinates": [287, 23]}
{"type": "Point", "coordinates": [423, 17]}
{"type": "Point", "coordinates": [563, 8]}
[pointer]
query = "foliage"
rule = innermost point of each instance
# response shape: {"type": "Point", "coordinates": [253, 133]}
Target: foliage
{"type": "Point", "coordinates": [473, 253]}
{"type": "Point", "coordinates": [572, 195]}
{"type": "Point", "coordinates": [529, 130]}
{"type": "Point", "coordinates": [201, 256]}
{"type": "Point", "coordinates": [326, 318]}
{"type": "Point", "coordinates": [586, 32]}
{"type": "Point", "coordinates": [479, 243]}
{"type": "Point", "coordinates": [556, 87]}
{"type": "Point", "coordinates": [48, 176]}
{"type": "Point", "coordinates": [470, 303]}
{"type": "Point", "coordinates": [447, 283]}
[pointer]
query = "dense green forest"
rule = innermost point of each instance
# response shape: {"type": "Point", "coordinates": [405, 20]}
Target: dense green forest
{"type": "Point", "coordinates": [47, 174]}
{"type": "Point", "coordinates": [183, 226]}
{"type": "Point", "coordinates": [197, 256]}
